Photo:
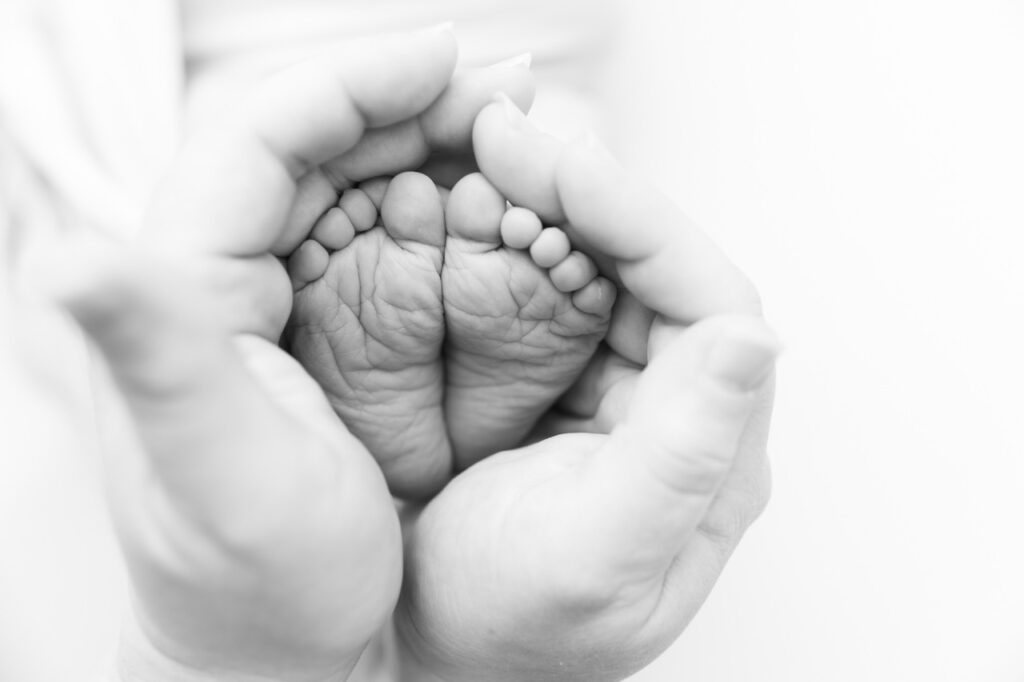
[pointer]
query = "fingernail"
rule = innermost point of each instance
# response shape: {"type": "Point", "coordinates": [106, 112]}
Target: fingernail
{"type": "Point", "coordinates": [744, 361]}
{"type": "Point", "coordinates": [443, 27]}
{"type": "Point", "coordinates": [522, 60]}
{"type": "Point", "coordinates": [513, 115]}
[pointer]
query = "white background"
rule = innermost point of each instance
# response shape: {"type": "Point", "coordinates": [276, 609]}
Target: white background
{"type": "Point", "coordinates": [864, 161]}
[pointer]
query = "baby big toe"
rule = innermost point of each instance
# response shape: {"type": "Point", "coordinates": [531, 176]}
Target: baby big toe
{"type": "Point", "coordinates": [411, 210]}
{"type": "Point", "coordinates": [475, 209]}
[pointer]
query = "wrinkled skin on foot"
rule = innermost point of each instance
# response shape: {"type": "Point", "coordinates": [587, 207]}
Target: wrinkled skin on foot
{"type": "Point", "coordinates": [260, 538]}
{"type": "Point", "coordinates": [369, 327]}
{"type": "Point", "coordinates": [436, 341]}
{"type": "Point", "coordinates": [524, 314]}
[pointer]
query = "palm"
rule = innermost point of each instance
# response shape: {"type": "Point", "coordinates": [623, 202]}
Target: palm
{"type": "Point", "coordinates": [260, 535]}
{"type": "Point", "coordinates": [517, 531]}
{"type": "Point", "coordinates": [528, 535]}
{"type": "Point", "coordinates": [583, 555]}
{"type": "Point", "coordinates": [189, 523]}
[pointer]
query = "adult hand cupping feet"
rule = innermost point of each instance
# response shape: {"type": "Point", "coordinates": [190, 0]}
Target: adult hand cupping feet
{"type": "Point", "coordinates": [260, 536]}
{"type": "Point", "coordinates": [582, 556]}
{"type": "Point", "coordinates": [437, 336]}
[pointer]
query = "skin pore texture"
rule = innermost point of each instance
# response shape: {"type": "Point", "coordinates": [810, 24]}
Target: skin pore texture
{"type": "Point", "coordinates": [441, 324]}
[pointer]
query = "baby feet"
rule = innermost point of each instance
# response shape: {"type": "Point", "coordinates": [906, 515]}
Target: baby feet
{"type": "Point", "coordinates": [441, 335]}
{"type": "Point", "coordinates": [368, 324]}
{"type": "Point", "coordinates": [524, 314]}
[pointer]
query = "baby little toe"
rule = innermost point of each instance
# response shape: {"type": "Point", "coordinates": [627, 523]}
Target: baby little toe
{"type": "Point", "coordinates": [597, 297]}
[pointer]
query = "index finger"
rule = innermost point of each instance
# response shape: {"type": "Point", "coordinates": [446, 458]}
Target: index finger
{"type": "Point", "coordinates": [230, 191]}
{"type": "Point", "coordinates": [660, 256]}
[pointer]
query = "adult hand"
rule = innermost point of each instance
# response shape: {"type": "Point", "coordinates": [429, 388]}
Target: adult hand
{"type": "Point", "coordinates": [260, 536]}
{"type": "Point", "coordinates": [584, 555]}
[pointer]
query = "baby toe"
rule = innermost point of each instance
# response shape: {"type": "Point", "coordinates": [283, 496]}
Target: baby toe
{"type": "Point", "coordinates": [334, 229]}
{"type": "Point", "coordinates": [550, 248]}
{"type": "Point", "coordinates": [359, 208]}
{"type": "Point", "coordinates": [307, 263]}
{"type": "Point", "coordinates": [520, 227]}
{"type": "Point", "coordinates": [411, 210]}
{"type": "Point", "coordinates": [573, 273]}
{"type": "Point", "coordinates": [474, 210]}
{"type": "Point", "coordinates": [597, 297]}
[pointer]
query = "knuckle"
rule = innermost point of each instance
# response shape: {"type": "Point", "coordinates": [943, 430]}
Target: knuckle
{"type": "Point", "coordinates": [697, 469]}
{"type": "Point", "coordinates": [737, 508]}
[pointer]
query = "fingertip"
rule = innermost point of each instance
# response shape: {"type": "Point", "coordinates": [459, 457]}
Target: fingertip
{"type": "Point", "coordinates": [600, 198]}
{"type": "Point", "coordinates": [681, 433]}
{"type": "Point", "coordinates": [519, 160]}
{"type": "Point", "coordinates": [663, 257]}
{"type": "Point", "coordinates": [727, 357]}
{"type": "Point", "coordinates": [447, 124]}
{"type": "Point", "coordinates": [394, 77]}
{"type": "Point", "coordinates": [744, 355]}
{"type": "Point", "coordinates": [298, 119]}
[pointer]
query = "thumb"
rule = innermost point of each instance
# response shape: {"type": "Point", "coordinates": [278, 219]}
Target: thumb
{"type": "Point", "coordinates": [207, 431]}
{"type": "Point", "coordinates": [154, 330]}
{"type": "Point", "coordinates": [661, 467]}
